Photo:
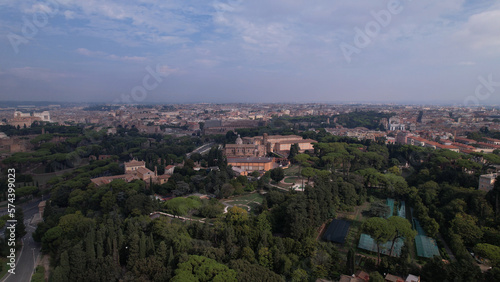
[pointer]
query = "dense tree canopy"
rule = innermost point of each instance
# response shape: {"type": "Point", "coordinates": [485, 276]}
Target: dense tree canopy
{"type": "Point", "coordinates": [107, 233]}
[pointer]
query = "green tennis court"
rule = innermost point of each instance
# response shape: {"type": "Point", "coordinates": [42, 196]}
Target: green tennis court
{"type": "Point", "coordinates": [367, 243]}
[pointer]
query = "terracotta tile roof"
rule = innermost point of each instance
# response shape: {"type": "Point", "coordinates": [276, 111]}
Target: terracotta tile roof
{"type": "Point", "coordinates": [133, 163]}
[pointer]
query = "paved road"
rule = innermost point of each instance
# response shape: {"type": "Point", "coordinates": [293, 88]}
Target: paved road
{"type": "Point", "coordinates": [202, 149]}
{"type": "Point", "coordinates": [447, 249]}
{"type": "Point", "coordinates": [178, 217]}
{"type": "Point", "coordinates": [30, 251]}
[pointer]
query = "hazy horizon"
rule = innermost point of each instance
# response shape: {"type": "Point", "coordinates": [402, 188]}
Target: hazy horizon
{"type": "Point", "coordinates": [403, 52]}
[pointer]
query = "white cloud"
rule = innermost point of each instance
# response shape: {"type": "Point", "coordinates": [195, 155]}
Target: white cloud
{"type": "Point", "coordinates": [69, 15]}
{"type": "Point", "coordinates": [88, 53]}
{"type": "Point", "coordinates": [100, 54]}
{"type": "Point", "coordinates": [466, 63]}
{"type": "Point", "coordinates": [281, 41]}
{"type": "Point", "coordinates": [207, 63]}
{"type": "Point", "coordinates": [166, 70]}
{"type": "Point", "coordinates": [481, 30]}
{"type": "Point", "coordinates": [36, 73]}
{"type": "Point", "coordinates": [134, 23]}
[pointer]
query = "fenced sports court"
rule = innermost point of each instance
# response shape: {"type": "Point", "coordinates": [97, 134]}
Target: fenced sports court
{"type": "Point", "coordinates": [337, 231]}
{"type": "Point", "coordinates": [367, 243]}
{"type": "Point", "coordinates": [426, 246]}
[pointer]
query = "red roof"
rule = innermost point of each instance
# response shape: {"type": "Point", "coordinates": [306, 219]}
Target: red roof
{"type": "Point", "coordinates": [493, 146]}
{"type": "Point", "coordinates": [460, 145]}
{"type": "Point", "coordinates": [465, 140]}
{"type": "Point", "coordinates": [363, 275]}
{"type": "Point", "coordinates": [491, 139]}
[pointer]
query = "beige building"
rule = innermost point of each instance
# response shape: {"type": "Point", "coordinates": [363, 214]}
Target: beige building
{"type": "Point", "coordinates": [108, 179]}
{"type": "Point", "coordinates": [133, 165]}
{"type": "Point", "coordinates": [260, 146]}
{"type": "Point", "coordinates": [26, 119]}
{"type": "Point", "coordinates": [162, 179]}
{"type": "Point", "coordinates": [251, 164]}
{"type": "Point", "coordinates": [145, 174]}
{"type": "Point", "coordinates": [134, 170]}
{"type": "Point", "coordinates": [487, 181]}
{"type": "Point", "coordinates": [248, 149]}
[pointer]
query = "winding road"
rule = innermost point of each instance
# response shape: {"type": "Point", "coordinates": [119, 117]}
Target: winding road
{"type": "Point", "coordinates": [27, 256]}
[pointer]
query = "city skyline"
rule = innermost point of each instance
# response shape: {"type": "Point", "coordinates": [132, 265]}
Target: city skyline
{"type": "Point", "coordinates": [250, 51]}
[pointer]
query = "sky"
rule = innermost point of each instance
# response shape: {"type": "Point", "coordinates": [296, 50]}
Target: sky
{"type": "Point", "coordinates": [189, 51]}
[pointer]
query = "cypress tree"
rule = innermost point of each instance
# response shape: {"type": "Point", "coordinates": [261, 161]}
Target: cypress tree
{"type": "Point", "coordinates": [58, 275]}
{"type": "Point", "coordinates": [170, 262]}
{"type": "Point", "coordinates": [90, 245]}
{"type": "Point", "coordinates": [99, 245]}
{"type": "Point", "coordinates": [350, 261]}
{"type": "Point", "coordinates": [162, 252]}
{"type": "Point", "coordinates": [109, 246]}
{"type": "Point", "coordinates": [64, 266]}
{"type": "Point", "coordinates": [133, 250]}
{"type": "Point", "coordinates": [116, 254]}
{"type": "Point", "coordinates": [151, 245]}
{"type": "Point", "coordinates": [48, 211]}
{"type": "Point", "coordinates": [77, 263]}
{"type": "Point", "coordinates": [142, 246]}
{"type": "Point", "coordinates": [20, 228]}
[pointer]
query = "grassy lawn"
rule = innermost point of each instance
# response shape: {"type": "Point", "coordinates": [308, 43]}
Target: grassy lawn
{"type": "Point", "coordinates": [291, 180]}
{"type": "Point", "coordinates": [253, 205]}
{"type": "Point", "coordinates": [254, 197]}
{"type": "Point", "coordinates": [248, 201]}
{"type": "Point", "coordinates": [236, 203]}
{"type": "Point", "coordinates": [293, 170]}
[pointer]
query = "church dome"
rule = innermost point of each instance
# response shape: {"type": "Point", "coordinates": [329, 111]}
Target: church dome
{"type": "Point", "coordinates": [238, 140]}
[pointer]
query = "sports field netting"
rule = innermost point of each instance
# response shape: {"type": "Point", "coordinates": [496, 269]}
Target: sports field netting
{"type": "Point", "coordinates": [367, 243]}
{"type": "Point", "coordinates": [337, 231]}
{"type": "Point", "coordinates": [402, 210]}
{"type": "Point", "coordinates": [390, 203]}
{"type": "Point", "coordinates": [419, 228]}
{"type": "Point", "coordinates": [426, 246]}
